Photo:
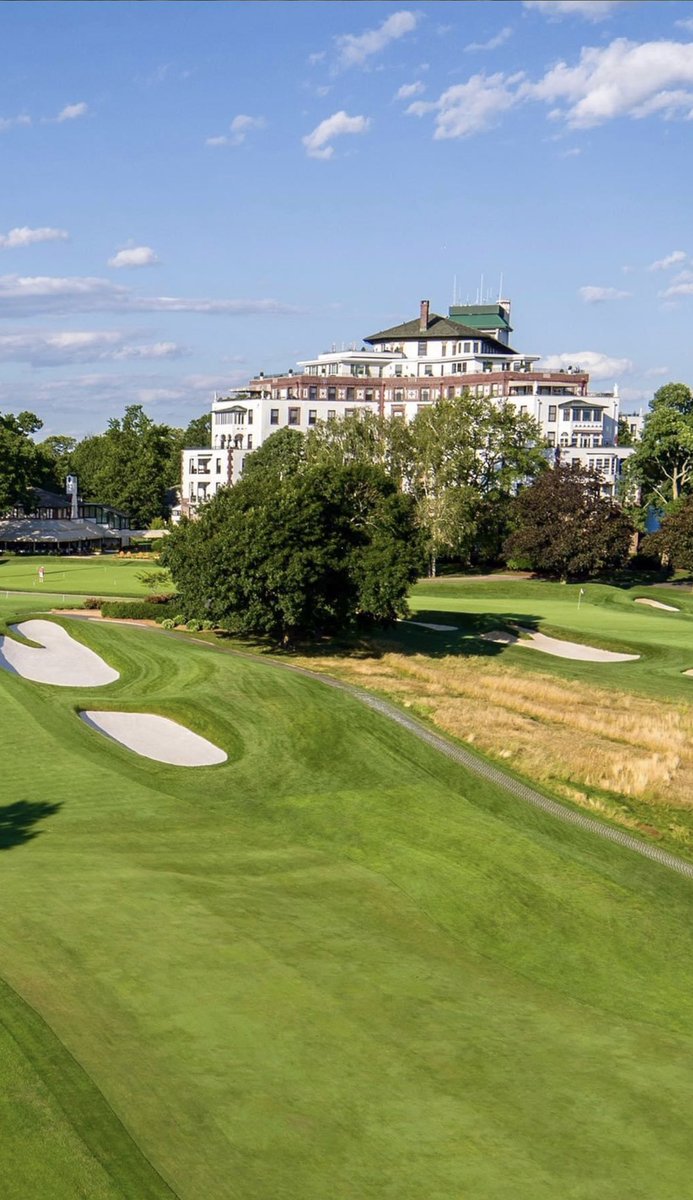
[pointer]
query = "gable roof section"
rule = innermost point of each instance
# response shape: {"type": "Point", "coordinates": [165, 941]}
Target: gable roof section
{"type": "Point", "coordinates": [438, 328]}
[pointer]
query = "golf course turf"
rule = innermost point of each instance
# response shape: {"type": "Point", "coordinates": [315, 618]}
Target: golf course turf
{"type": "Point", "coordinates": [95, 575]}
{"type": "Point", "coordinates": [336, 965]}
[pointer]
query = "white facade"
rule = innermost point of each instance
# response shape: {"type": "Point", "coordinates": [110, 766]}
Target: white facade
{"type": "Point", "coordinates": [401, 371]}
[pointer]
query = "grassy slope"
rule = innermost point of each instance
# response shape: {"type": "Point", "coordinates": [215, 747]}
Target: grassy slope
{"type": "Point", "coordinates": [336, 965]}
{"type": "Point", "coordinates": [98, 576]}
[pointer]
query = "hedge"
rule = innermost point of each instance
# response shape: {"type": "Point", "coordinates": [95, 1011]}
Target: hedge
{"type": "Point", "coordinates": [140, 610]}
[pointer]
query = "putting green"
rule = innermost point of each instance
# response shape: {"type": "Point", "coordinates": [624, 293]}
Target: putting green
{"type": "Point", "coordinates": [94, 576]}
{"type": "Point", "coordinates": [335, 965]}
{"type": "Point", "coordinates": [603, 616]}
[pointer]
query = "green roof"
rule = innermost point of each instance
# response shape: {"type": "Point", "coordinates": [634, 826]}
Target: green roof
{"type": "Point", "coordinates": [480, 316]}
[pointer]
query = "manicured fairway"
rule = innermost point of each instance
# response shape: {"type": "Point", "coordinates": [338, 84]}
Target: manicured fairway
{"type": "Point", "coordinates": [94, 576]}
{"type": "Point", "coordinates": [336, 965]}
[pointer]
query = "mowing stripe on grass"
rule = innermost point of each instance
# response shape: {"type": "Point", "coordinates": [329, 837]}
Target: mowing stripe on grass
{"type": "Point", "coordinates": [495, 775]}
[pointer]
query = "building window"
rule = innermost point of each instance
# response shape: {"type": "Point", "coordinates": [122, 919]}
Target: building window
{"type": "Point", "coordinates": [349, 412]}
{"type": "Point", "coordinates": [312, 393]}
{"type": "Point", "coordinates": [425, 395]}
{"type": "Point", "coordinates": [218, 466]}
{"type": "Point", "coordinates": [250, 416]}
{"type": "Point", "coordinates": [312, 416]}
{"type": "Point", "coordinates": [565, 413]}
{"type": "Point", "coordinates": [274, 416]}
{"type": "Point", "coordinates": [331, 414]}
{"type": "Point", "coordinates": [552, 412]}
{"type": "Point", "coordinates": [428, 370]}
{"type": "Point", "coordinates": [551, 438]}
{"type": "Point", "coordinates": [399, 396]}
{"type": "Point", "coordinates": [294, 416]}
{"type": "Point", "coordinates": [350, 394]}
{"type": "Point", "coordinates": [423, 349]}
{"type": "Point", "coordinates": [369, 397]}
{"type": "Point", "coordinates": [443, 349]}
{"type": "Point", "coordinates": [523, 409]}
{"type": "Point", "coordinates": [467, 348]}
{"type": "Point", "coordinates": [332, 394]}
{"type": "Point", "coordinates": [398, 370]}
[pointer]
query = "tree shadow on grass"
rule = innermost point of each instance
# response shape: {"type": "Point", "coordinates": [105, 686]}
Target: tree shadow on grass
{"type": "Point", "coordinates": [17, 821]}
{"type": "Point", "coordinates": [462, 637]}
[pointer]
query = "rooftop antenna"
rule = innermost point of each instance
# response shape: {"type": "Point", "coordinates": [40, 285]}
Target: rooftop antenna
{"type": "Point", "coordinates": [481, 291]}
{"type": "Point", "coordinates": [500, 288]}
{"type": "Point", "coordinates": [454, 290]}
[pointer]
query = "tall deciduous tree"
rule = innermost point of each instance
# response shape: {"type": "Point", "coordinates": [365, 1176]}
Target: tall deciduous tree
{"type": "Point", "coordinates": [128, 466]}
{"type": "Point", "coordinates": [312, 553]}
{"type": "Point", "coordinates": [662, 465]}
{"type": "Point", "coordinates": [566, 529]}
{"type": "Point", "coordinates": [673, 541]}
{"type": "Point", "coordinates": [20, 462]}
{"type": "Point", "coordinates": [469, 454]}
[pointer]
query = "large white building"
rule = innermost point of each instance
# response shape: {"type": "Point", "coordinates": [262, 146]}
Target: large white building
{"type": "Point", "coordinates": [396, 373]}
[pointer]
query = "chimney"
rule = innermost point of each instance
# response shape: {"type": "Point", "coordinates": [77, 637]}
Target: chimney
{"type": "Point", "coordinates": [423, 316]}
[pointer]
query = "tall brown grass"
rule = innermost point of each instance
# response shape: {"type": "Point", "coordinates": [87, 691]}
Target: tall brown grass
{"type": "Point", "coordinates": [568, 735]}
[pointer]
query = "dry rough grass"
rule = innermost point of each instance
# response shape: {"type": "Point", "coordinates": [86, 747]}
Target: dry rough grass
{"type": "Point", "coordinates": [569, 736]}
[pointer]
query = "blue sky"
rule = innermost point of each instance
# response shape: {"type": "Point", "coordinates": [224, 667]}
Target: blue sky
{"type": "Point", "coordinates": [193, 192]}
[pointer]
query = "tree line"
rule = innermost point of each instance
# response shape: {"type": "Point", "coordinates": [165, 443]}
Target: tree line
{"type": "Point", "coordinates": [132, 466]}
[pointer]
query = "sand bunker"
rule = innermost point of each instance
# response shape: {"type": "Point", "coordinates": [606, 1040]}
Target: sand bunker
{"type": "Point", "coordinates": [61, 660]}
{"type": "Point", "coordinates": [156, 737]}
{"type": "Point", "coordinates": [437, 628]}
{"type": "Point", "coordinates": [560, 649]}
{"type": "Point", "coordinates": [657, 604]}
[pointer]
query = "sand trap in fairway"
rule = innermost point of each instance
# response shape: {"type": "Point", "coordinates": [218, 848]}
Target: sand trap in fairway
{"type": "Point", "coordinates": [156, 737]}
{"type": "Point", "coordinates": [657, 604]}
{"type": "Point", "coordinates": [437, 628]}
{"type": "Point", "coordinates": [62, 660]}
{"type": "Point", "coordinates": [560, 649]}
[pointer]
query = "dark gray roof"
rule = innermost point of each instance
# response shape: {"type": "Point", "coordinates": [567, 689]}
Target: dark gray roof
{"type": "Point", "coordinates": [27, 529]}
{"type": "Point", "coordinates": [439, 328]}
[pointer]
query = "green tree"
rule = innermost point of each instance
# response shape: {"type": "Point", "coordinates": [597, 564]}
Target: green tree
{"type": "Point", "coordinates": [198, 434]}
{"type": "Point", "coordinates": [20, 462]}
{"type": "Point", "coordinates": [625, 437]}
{"type": "Point", "coordinates": [363, 437]}
{"type": "Point", "coordinates": [662, 465]}
{"type": "Point", "coordinates": [56, 455]}
{"type": "Point", "coordinates": [281, 456]}
{"type": "Point", "coordinates": [566, 529]}
{"type": "Point", "coordinates": [129, 466]}
{"type": "Point", "coordinates": [673, 541]}
{"type": "Point", "coordinates": [310, 554]}
{"type": "Point", "coordinates": [469, 455]}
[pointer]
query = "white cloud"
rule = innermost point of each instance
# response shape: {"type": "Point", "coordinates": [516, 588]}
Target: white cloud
{"type": "Point", "coordinates": [468, 108]}
{"type": "Point", "coordinates": [600, 366]}
{"type": "Point", "coordinates": [686, 24]}
{"type": "Point", "coordinates": [657, 372]}
{"type": "Point", "coordinates": [40, 348]}
{"type": "Point", "coordinates": [240, 127]}
{"type": "Point", "coordinates": [597, 295]}
{"type": "Point", "coordinates": [492, 43]}
{"type": "Point", "coordinates": [671, 260]}
{"type": "Point", "coordinates": [684, 288]}
{"type": "Point", "coordinates": [355, 49]}
{"type": "Point", "coordinates": [59, 296]}
{"type": "Point", "coordinates": [621, 79]}
{"type": "Point", "coordinates": [23, 236]}
{"type": "Point", "coordinates": [71, 112]}
{"type": "Point", "coordinates": [317, 143]}
{"type": "Point", "coordinates": [591, 10]}
{"type": "Point", "coordinates": [11, 122]}
{"type": "Point", "coordinates": [408, 90]}
{"type": "Point", "coordinates": [134, 256]}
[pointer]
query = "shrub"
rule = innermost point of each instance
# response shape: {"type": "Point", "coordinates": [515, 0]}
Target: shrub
{"type": "Point", "coordinates": [158, 598]}
{"type": "Point", "coordinates": [194, 626]}
{"type": "Point", "coordinates": [168, 623]}
{"type": "Point", "coordinates": [136, 610]}
{"type": "Point", "coordinates": [92, 602]}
